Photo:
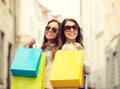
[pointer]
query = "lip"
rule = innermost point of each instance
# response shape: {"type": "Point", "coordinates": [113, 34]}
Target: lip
{"type": "Point", "coordinates": [49, 34]}
{"type": "Point", "coordinates": [72, 34]}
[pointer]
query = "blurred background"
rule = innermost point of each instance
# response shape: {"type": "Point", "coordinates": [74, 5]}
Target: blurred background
{"type": "Point", "coordinates": [21, 20]}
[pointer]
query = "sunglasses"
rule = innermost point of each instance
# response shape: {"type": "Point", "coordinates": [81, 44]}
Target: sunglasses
{"type": "Point", "coordinates": [54, 30]}
{"type": "Point", "coordinates": [68, 28]}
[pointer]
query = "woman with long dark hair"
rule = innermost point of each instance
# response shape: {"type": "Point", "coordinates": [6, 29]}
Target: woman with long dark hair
{"type": "Point", "coordinates": [72, 39]}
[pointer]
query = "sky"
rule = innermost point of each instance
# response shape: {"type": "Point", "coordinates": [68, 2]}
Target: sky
{"type": "Point", "coordinates": [66, 8]}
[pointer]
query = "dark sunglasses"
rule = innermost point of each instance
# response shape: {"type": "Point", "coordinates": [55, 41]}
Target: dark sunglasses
{"type": "Point", "coordinates": [67, 27]}
{"type": "Point", "coordinates": [54, 30]}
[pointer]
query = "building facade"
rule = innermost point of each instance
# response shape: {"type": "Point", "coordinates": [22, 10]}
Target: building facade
{"type": "Point", "coordinates": [101, 24]}
{"type": "Point", "coordinates": [31, 21]}
{"type": "Point", "coordinates": [92, 14]}
{"type": "Point", "coordinates": [113, 43]}
{"type": "Point", "coordinates": [20, 20]}
{"type": "Point", "coordinates": [7, 41]}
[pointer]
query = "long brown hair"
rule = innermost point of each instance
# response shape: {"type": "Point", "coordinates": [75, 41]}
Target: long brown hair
{"type": "Point", "coordinates": [57, 39]}
{"type": "Point", "coordinates": [79, 37]}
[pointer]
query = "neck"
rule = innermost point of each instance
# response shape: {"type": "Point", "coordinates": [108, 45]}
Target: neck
{"type": "Point", "coordinates": [69, 41]}
{"type": "Point", "coordinates": [50, 41]}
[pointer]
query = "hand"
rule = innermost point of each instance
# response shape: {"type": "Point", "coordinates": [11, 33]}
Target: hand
{"type": "Point", "coordinates": [78, 46]}
{"type": "Point", "coordinates": [32, 41]}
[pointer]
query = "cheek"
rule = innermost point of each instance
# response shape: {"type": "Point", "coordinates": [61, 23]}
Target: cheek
{"type": "Point", "coordinates": [77, 33]}
{"type": "Point", "coordinates": [45, 33]}
{"type": "Point", "coordinates": [65, 33]}
{"type": "Point", "coordinates": [56, 34]}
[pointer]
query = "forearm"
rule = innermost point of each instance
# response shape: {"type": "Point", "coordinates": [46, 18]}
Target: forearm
{"type": "Point", "coordinates": [86, 67]}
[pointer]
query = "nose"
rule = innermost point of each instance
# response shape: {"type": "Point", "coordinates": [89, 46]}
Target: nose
{"type": "Point", "coordinates": [50, 29]}
{"type": "Point", "coordinates": [72, 29]}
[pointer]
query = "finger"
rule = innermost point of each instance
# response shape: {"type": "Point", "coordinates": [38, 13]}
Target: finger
{"type": "Point", "coordinates": [32, 41]}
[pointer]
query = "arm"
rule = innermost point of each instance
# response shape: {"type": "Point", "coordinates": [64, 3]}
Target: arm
{"type": "Point", "coordinates": [78, 46]}
{"type": "Point", "coordinates": [86, 65]}
{"type": "Point", "coordinates": [30, 44]}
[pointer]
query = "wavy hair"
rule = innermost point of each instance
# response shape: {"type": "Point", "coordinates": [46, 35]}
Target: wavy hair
{"type": "Point", "coordinates": [56, 41]}
{"type": "Point", "coordinates": [79, 37]}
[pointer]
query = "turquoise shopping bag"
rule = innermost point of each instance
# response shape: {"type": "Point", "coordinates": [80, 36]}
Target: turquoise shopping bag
{"type": "Point", "coordinates": [19, 82]}
{"type": "Point", "coordinates": [26, 62]}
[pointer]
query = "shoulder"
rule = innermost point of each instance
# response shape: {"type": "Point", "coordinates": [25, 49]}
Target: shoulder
{"type": "Point", "coordinates": [79, 46]}
{"type": "Point", "coordinates": [64, 46]}
{"type": "Point", "coordinates": [68, 47]}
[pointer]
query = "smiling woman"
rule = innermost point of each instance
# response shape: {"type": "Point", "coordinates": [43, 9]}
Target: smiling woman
{"type": "Point", "coordinates": [50, 46]}
{"type": "Point", "coordinates": [72, 39]}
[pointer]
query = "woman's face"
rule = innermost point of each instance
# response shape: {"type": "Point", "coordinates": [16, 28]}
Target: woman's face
{"type": "Point", "coordinates": [51, 30]}
{"type": "Point", "coordinates": [70, 30]}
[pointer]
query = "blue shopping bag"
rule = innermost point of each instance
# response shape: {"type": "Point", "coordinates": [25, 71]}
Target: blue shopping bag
{"type": "Point", "coordinates": [26, 62]}
{"type": "Point", "coordinates": [19, 82]}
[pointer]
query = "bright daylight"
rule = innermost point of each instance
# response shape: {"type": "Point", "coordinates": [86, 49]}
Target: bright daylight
{"type": "Point", "coordinates": [59, 44]}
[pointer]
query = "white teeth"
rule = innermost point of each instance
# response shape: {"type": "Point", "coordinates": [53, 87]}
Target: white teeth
{"type": "Point", "coordinates": [71, 34]}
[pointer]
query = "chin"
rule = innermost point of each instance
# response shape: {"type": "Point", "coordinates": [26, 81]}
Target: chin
{"type": "Point", "coordinates": [72, 38]}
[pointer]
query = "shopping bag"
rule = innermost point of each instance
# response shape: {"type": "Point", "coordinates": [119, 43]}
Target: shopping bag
{"type": "Point", "coordinates": [26, 62]}
{"type": "Point", "coordinates": [31, 83]}
{"type": "Point", "coordinates": [84, 82]}
{"type": "Point", "coordinates": [67, 69]}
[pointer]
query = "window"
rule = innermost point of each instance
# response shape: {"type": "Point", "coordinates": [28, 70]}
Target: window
{"type": "Point", "coordinates": [4, 1]}
{"type": "Point", "coordinates": [8, 63]}
{"type": "Point", "coordinates": [116, 70]}
{"type": "Point", "coordinates": [1, 56]}
{"type": "Point", "coordinates": [11, 7]}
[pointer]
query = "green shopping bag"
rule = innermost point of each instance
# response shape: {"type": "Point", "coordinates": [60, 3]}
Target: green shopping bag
{"type": "Point", "coordinates": [31, 83]}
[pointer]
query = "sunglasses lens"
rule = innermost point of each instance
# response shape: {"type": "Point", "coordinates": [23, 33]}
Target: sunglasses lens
{"type": "Point", "coordinates": [67, 27]}
{"type": "Point", "coordinates": [74, 26]}
{"type": "Point", "coordinates": [47, 28]}
{"type": "Point", "coordinates": [54, 30]}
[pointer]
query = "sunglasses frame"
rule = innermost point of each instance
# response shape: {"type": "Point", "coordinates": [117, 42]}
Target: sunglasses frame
{"type": "Point", "coordinates": [54, 30]}
{"type": "Point", "coordinates": [68, 27]}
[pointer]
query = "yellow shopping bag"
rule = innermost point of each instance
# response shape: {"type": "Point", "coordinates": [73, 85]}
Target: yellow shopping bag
{"type": "Point", "coordinates": [67, 69]}
{"type": "Point", "coordinates": [31, 83]}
